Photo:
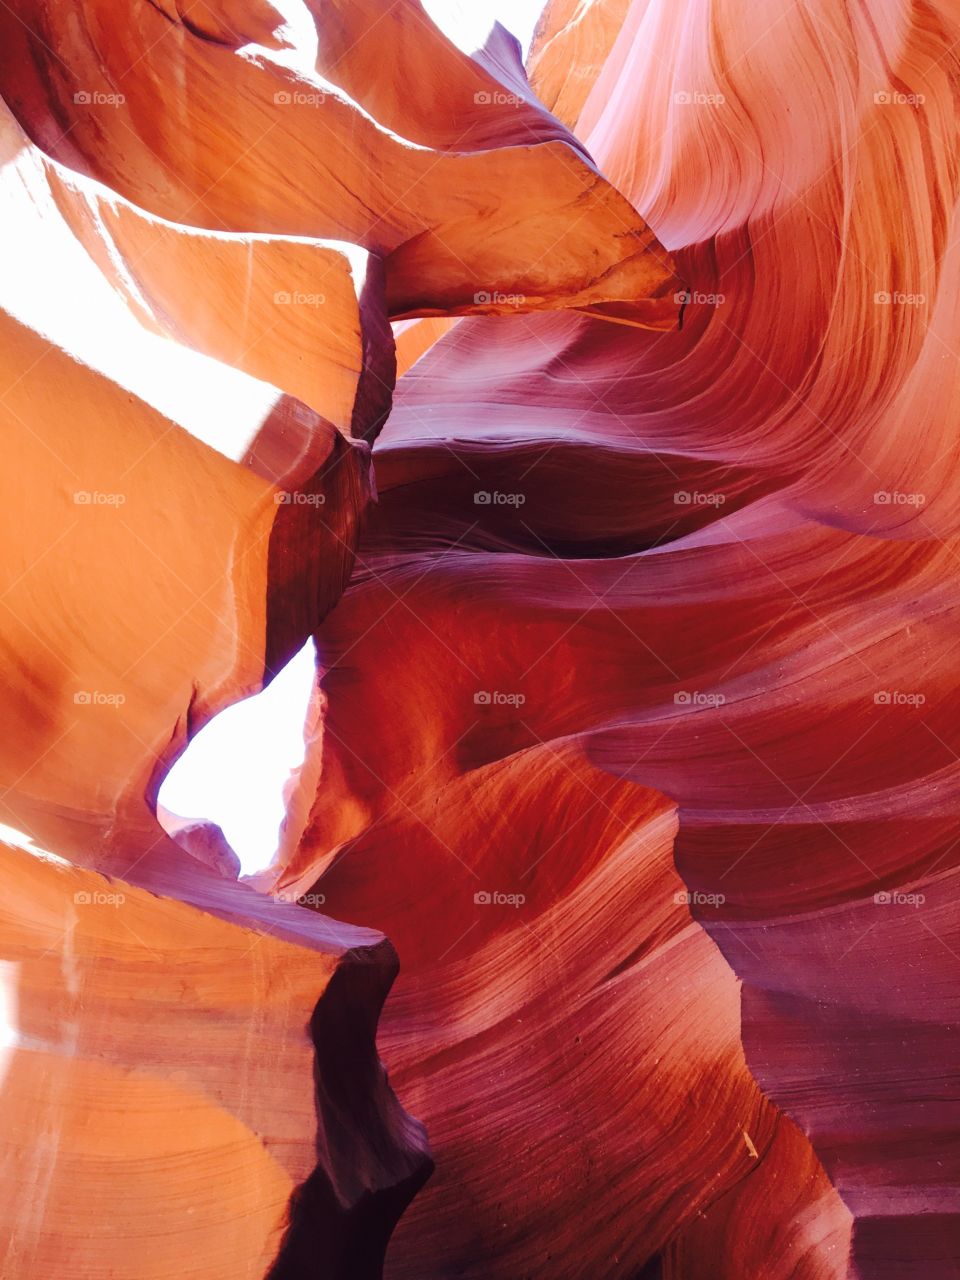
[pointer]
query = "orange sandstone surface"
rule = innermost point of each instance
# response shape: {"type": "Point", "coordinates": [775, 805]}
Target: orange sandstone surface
{"type": "Point", "coordinates": [598, 420]}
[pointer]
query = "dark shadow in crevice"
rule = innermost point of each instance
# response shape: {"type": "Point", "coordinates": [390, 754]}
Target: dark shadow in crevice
{"type": "Point", "coordinates": [372, 1157]}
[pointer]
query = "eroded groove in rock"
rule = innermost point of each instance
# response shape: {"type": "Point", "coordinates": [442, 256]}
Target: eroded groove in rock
{"type": "Point", "coordinates": [635, 721]}
{"type": "Point", "coordinates": [515, 1005]}
{"type": "Point", "coordinates": [715, 562]}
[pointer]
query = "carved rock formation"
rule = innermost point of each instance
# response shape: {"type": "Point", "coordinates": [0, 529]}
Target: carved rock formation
{"type": "Point", "coordinates": [635, 722]}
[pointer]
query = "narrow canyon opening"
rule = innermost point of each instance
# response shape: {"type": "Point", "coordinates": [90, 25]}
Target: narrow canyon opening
{"type": "Point", "coordinates": [233, 772]}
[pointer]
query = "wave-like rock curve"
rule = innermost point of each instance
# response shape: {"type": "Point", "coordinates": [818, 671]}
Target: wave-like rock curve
{"type": "Point", "coordinates": [633, 598]}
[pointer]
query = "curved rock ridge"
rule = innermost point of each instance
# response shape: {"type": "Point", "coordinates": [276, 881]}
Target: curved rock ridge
{"type": "Point", "coordinates": [154, 307]}
{"type": "Point", "coordinates": [212, 214]}
{"type": "Point", "coordinates": [555, 1073]}
{"type": "Point", "coordinates": [635, 721]}
{"type": "Point", "coordinates": [555, 233]}
{"type": "Point", "coordinates": [116, 384]}
{"type": "Point", "coordinates": [235, 344]}
{"type": "Point", "coordinates": [712, 570]}
{"type": "Point", "coordinates": [158, 1097]}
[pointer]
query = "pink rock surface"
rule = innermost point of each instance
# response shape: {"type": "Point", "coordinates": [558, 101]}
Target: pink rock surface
{"type": "Point", "coordinates": [635, 723]}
